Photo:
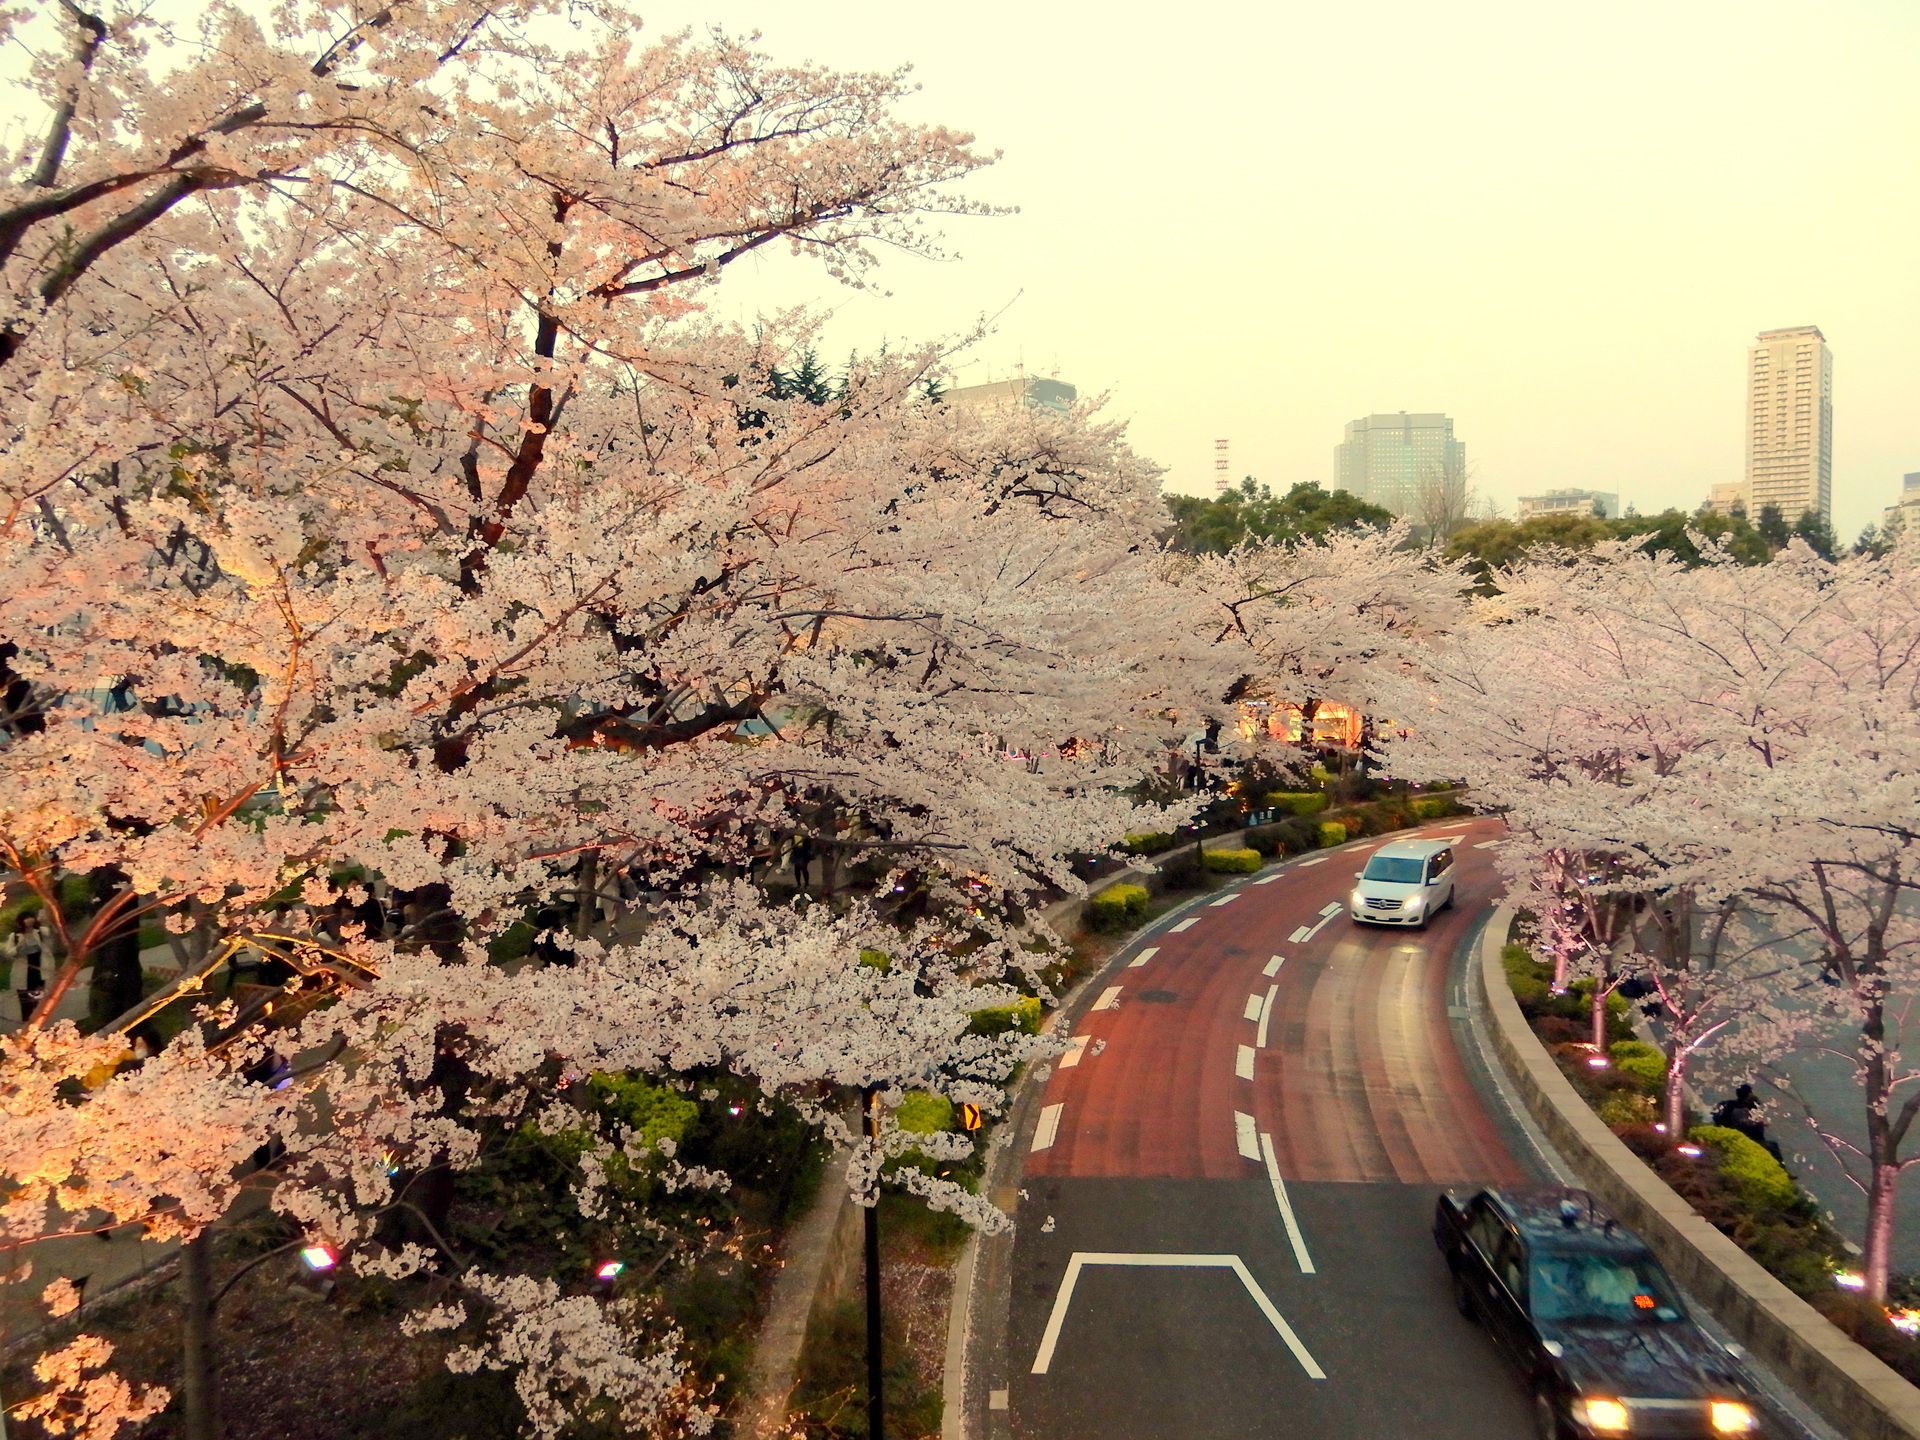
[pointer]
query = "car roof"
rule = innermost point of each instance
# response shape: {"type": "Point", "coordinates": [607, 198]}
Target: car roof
{"type": "Point", "coordinates": [1415, 849]}
{"type": "Point", "coordinates": [1535, 1212]}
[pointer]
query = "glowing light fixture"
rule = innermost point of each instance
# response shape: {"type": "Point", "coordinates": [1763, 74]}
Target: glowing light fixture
{"type": "Point", "coordinates": [1847, 1280]}
{"type": "Point", "coordinates": [1690, 1151]}
{"type": "Point", "coordinates": [319, 1257]}
{"type": "Point", "coordinates": [1907, 1322]}
{"type": "Point", "coordinates": [1598, 1062]}
{"type": "Point", "coordinates": [608, 1269]}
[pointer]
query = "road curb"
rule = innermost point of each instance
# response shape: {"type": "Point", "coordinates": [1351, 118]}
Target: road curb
{"type": "Point", "coordinates": [1858, 1394]}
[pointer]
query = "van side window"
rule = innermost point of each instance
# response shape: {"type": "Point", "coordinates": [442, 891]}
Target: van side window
{"type": "Point", "coordinates": [1443, 862]}
{"type": "Point", "coordinates": [1511, 1263]}
{"type": "Point", "coordinates": [1486, 1230]}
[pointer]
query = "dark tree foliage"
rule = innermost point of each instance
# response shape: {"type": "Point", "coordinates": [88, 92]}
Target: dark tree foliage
{"type": "Point", "coordinates": [1494, 544]}
{"type": "Point", "coordinates": [1253, 511]}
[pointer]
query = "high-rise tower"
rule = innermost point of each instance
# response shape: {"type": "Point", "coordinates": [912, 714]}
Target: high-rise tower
{"type": "Point", "coordinates": [1400, 461]}
{"type": "Point", "coordinates": [1790, 424]}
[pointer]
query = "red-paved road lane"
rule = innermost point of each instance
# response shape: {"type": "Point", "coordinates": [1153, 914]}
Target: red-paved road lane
{"type": "Point", "coordinates": [1358, 1081]}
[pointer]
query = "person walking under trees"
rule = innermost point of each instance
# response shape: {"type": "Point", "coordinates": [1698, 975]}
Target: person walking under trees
{"type": "Point", "coordinates": [28, 942]}
{"type": "Point", "coordinates": [802, 857]}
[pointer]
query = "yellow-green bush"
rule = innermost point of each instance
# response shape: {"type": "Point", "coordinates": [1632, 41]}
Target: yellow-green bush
{"type": "Point", "coordinates": [1638, 1059]}
{"type": "Point", "coordinates": [1628, 1109]}
{"type": "Point", "coordinates": [1117, 907]}
{"type": "Point", "coordinates": [1762, 1179]}
{"type": "Point", "coordinates": [1530, 980]}
{"type": "Point", "coordinates": [1300, 802]}
{"type": "Point", "coordinates": [1147, 842]}
{"type": "Point", "coordinates": [1231, 862]}
{"type": "Point", "coordinates": [925, 1113]}
{"type": "Point", "coordinates": [1023, 1015]}
{"type": "Point", "coordinates": [1431, 807]}
{"type": "Point", "coordinates": [1332, 832]}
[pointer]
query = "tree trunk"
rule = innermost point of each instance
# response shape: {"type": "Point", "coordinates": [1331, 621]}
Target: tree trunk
{"type": "Point", "coordinates": [588, 907]}
{"type": "Point", "coordinates": [1600, 993]}
{"type": "Point", "coordinates": [196, 1361]}
{"type": "Point", "coordinates": [1674, 1099]}
{"type": "Point", "coordinates": [1881, 1195]}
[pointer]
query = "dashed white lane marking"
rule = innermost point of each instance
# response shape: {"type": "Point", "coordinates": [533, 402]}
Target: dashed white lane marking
{"type": "Point", "coordinates": [1109, 998]}
{"type": "Point", "coordinates": [1486, 844]}
{"type": "Point", "coordinates": [1224, 900]}
{"type": "Point", "coordinates": [1252, 1012]}
{"type": "Point", "coordinates": [1317, 860]}
{"type": "Point", "coordinates": [1144, 956]}
{"type": "Point", "coordinates": [1272, 967]}
{"type": "Point", "coordinates": [1286, 1206]}
{"type": "Point", "coordinates": [1298, 935]}
{"type": "Point", "coordinates": [1269, 879]}
{"type": "Point", "coordinates": [1183, 925]}
{"type": "Point", "coordinates": [1266, 1016]}
{"type": "Point", "coordinates": [1076, 1048]}
{"type": "Point", "coordinates": [1050, 1340]}
{"type": "Point", "coordinates": [1049, 1127]}
{"type": "Point", "coordinates": [1243, 1062]}
{"type": "Point", "coordinates": [1244, 1138]}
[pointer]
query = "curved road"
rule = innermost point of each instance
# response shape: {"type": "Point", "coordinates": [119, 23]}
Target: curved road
{"type": "Point", "coordinates": [1223, 1225]}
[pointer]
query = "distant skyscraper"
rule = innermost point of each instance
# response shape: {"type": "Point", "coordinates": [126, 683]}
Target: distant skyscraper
{"type": "Point", "coordinates": [1906, 510]}
{"type": "Point", "coordinates": [1390, 459]}
{"type": "Point", "coordinates": [1724, 497]}
{"type": "Point", "coordinates": [1790, 424]}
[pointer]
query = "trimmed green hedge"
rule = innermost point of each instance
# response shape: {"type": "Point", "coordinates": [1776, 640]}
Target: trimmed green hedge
{"type": "Point", "coordinates": [1022, 1015]}
{"type": "Point", "coordinates": [1147, 842]}
{"type": "Point", "coordinates": [1117, 907]}
{"type": "Point", "coordinates": [1638, 1059]}
{"type": "Point", "coordinates": [1332, 832]}
{"type": "Point", "coordinates": [1531, 982]}
{"type": "Point", "coordinates": [1432, 807]}
{"type": "Point", "coordinates": [1300, 802]}
{"type": "Point", "coordinates": [1231, 862]}
{"type": "Point", "coordinates": [1762, 1179]}
{"type": "Point", "coordinates": [924, 1113]}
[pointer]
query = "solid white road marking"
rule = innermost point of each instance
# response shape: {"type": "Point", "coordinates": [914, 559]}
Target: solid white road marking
{"type": "Point", "coordinates": [1486, 844]}
{"type": "Point", "coordinates": [1252, 1012]}
{"type": "Point", "coordinates": [1298, 935]}
{"type": "Point", "coordinates": [1266, 1015]}
{"type": "Point", "coordinates": [1048, 1129]}
{"type": "Point", "coordinates": [1183, 925]}
{"type": "Point", "coordinates": [1224, 900]}
{"type": "Point", "coordinates": [1050, 1339]}
{"type": "Point", "coordinates": [1272, 967]}
{"type": "Point", "coordinates": [1333, 909]}
{"type": "Point", "coordinates": [1317, 860]}
{"type": "Point", "coordinates": [1076, 1049]}
{"type": "Point", "coordinates": [1244, 1138]}
{"type": "Point", "coordinates": [1304, 933]}
{"type": "Point", "coordinates": [1144, 956]}
{"type": "Point", "coordinates": [1243, 1062]}
{"type": "Point", "coordinates": [1109, 998]}
{"type": "Point", "coordinates": [1286, 1206]}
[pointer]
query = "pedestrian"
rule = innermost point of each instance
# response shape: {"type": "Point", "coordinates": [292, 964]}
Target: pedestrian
{"type": "Point", "coordinates": [29, 943]}
{"type": "Point", "coordinates": [802, 857]}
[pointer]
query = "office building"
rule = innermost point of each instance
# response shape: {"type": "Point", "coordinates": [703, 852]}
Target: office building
{"type": "Point", "coordinates": [1404, 463]}
{"type": "Point", "coordinates": [1904, 513]}
{"type": "Point", "coordinates": [1570, 502]}
{"type": "Point", "coordinates": [1033, 391]}
{"type": "Point", "coordinates": [1790, 424]}
{"type": "Point", "coordinates": [1725, 498]}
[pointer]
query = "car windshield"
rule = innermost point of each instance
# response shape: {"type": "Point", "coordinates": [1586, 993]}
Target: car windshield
{"type": "Point", "coordinates": [1614, 1288]}
{"type": "Point", "coordinates": [1401, 869]}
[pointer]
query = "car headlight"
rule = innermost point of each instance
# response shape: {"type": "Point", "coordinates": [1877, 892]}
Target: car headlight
{"type": "Point", "coordinates": [1732, 1417]}
{"type": "Point", "coordinates": [1356, 899]}
{"type": "Point", "coordinates": [1416, 902]}
{"type": "Point", "coordinates": [1603, 1417]}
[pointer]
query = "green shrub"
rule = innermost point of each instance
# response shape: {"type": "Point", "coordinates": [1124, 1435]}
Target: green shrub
{"type": "Point", "coordinates": [1022, 1015]}
{"type": "Point", "coordinates": [1231, 862]}
{"type": "Point", "coordinates": [1432, 807]}
{"type": "Point", "coordinates": [1627, 1109]}
{"type": "Point", "coordinates": [1532, 982]}
{"type": "Point", "coordinates": [1332, 832]}
{"type": "Point", "coordinates": [1639, 1060]}
{"type": "Point", "coordinates": [11, 912]}
{"type": "Point", "coordinates": [876, 960]}
{"type": "Point", "coordinates": [925, 1113]}
{"type": "Point", "coordinates": [1147, 842]}
{"type": "Point", "coordinates": [1299, 802]}
{"type": "Point", "coordinates": [1117, 907]}
{"type": "Point", "coordinates": [1762, 1179]}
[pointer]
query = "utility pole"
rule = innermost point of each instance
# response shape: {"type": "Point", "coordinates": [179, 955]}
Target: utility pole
{"type": "Point", "coordinates": [876, 1407]}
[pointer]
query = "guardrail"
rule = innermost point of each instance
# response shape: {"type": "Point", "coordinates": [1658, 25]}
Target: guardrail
{"type": "Point", "coordinates": [1856, 1393]}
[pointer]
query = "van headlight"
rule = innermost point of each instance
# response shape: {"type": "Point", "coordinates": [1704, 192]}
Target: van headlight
{"type": "Point", "coordinates": [1415, 905]}
{"type": "Point", "coordinates": [1357, 900]}
{"type": "Point", "coordinates": [1603, 1417]}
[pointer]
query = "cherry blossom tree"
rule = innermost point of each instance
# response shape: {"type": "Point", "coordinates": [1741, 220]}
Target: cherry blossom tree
{"type": "Point", "coordinates": [378, 510]}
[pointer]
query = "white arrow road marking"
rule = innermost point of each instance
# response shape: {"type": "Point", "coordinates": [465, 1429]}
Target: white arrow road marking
{"type": "Point", "coordinates": [1266, 1015]}
{"type": "Point", "coordinates": [1252, 1011]}
{"type": "Point", "coordinates": [1043, 1359]}
{"type": "Point", "coordinates": [1225, 900]}
{"type": "Point", "coordinates": [1286, 1206]}
{"type": "Point", "coordinates": [1272, 967]}
{"type": "Point", "coordinates": [1109, 998]}
{"type": "Point", "coordinates": [1243, 1062]}
{"type": "Point", "coordinates": [1144, 956]}
{"type": "Point", "coordinates": [1183, 925]}
{"type": "Point", "coordinates": [1076, 1049]}
{"type": "Point", "coordinates": [1304, 933]}
{"type": "Point", "coordinates": [1048, 1129]}
{"type": "Point", "coordinates": [1244, 1138]}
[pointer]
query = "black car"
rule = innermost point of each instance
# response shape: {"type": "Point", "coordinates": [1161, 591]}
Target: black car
{"type": "Point", "coordinates": [1582, 1308]}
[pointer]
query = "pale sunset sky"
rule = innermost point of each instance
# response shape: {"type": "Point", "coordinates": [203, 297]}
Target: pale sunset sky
{"type": "Point", "coordinates": [1561, 225]}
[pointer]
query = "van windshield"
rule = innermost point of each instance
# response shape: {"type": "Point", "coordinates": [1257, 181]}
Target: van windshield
{"type": "Point", "coordinates": [1622, 1289]}
{"type": "Point", "coordinates": [1400, 869]}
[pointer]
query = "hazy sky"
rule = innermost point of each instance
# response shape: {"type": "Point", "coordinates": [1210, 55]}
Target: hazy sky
{"type": "Point", "coordinates": [1559, 224]}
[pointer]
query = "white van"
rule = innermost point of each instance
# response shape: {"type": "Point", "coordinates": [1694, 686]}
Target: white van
{"type": "Point", "coordinates": [1406, 882]}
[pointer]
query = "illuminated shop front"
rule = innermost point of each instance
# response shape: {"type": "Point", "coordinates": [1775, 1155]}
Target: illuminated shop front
{"type": "Point", "coordinates": [1333, 724]}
